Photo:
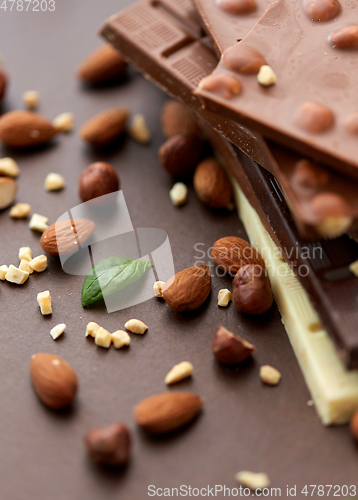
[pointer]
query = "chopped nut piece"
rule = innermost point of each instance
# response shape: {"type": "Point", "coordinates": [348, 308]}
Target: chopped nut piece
{"type": "Point", "coordinates": [178, 372]}
{"type": "Point", "coordinates": [39, 263]}
{"type": "Point", "coordinates": [31, 99]}
{"type": "Point", "coordinates": [178, 193]}
{"type": "Point", "coordinates": [54, 182]}
{"type": "Point", "coordinates": [120, 338]}
{"type": "Point", "coordinates": [25, 266]}
{"type": "Point", "coordinates": [25, 253]}
{"type": "Point", "coordinates": [92, 329]}
{"type": "Point", "coordinates": [9, 167]}
{"type": "Point", "coordinates": [354, 268]}
{"type": "Point", "coordinates": [158, 288]}
{"type": "Point", "coordinates": [332, 227]}
{"type": "Point", "coordinates": [38, 223]}
{"type": "Point", "coordinates": [15, 275]}
{"type": "Point", "coordinates": [20, 211]}
{"type": "Point", "coordinates": [3, 270]}
{"type": "Point", "coordinates": [44, 301]}
{"type": "Point", "coordinates": [138, 129]}
{"type": "Point", "coordinates": [103, 338]}
{"type": "Point", "coordinates": [224, 297]}
{"type": "Point", "coordinates": [252, 480]}
{"type": "Point", "coordinates": [269, 375]}
{"type": "Point", "coordinates": [266, 76]}
{"type": "Point", "coordinates": [57, 330]}
{"type": "Point", "coordinates": [64, 122]}
{"type": "Point", "coordinates": [136, 326]}
{"type": "Point", "coordinates": [8, 189]}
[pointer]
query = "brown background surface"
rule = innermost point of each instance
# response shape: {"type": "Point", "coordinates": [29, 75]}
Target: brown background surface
{"type": "Point", "coordinates": [244, 425]}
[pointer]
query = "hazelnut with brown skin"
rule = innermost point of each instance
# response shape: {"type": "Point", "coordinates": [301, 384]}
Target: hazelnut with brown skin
{"type": "Point", "coordinates": [229, 348]}
{"type": "Point", "coordinates": [96, 180]}
{"type": "Point", "coordinates": [252, 292]}
{"type": "Point", "coordinates": [109, 445]}
{"type": "Point", "coordinates": [180, 154]}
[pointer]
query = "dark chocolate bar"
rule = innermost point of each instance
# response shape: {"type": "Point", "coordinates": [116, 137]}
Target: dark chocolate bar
{"type": "Point", "coordinates": [329, 283]}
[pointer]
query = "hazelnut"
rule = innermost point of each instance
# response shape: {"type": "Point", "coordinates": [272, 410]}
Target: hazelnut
{"type": "Point", "coordinates": [109, 445]}
{"type": "Point", "coordinates": [180, 154]}
{"type": "Point", "coordinates": [314, 118]}
{"type": "Point", "coordinates": [252, 292]}
{"type": "Point", "coordinates": [309, 175]}
{"type": "Point", "coordinates": [243, 59]}
{"type": "Point", "coordinates": [177, 118]}
{"type": "Point", "coordinates": [225, 85]}
{"type": "Point", "coordinates": [322, 10]}
{"type": "Point", "coordinates": [96, 180]}
{"type": "Point", "coordinates": [346, 37]}
{"type": "Point", "coordinates": [238, 7]}
{"type": "Point", "coordinates": [229, 348]}
{"type": "Point", "coordinates": [354, 426]}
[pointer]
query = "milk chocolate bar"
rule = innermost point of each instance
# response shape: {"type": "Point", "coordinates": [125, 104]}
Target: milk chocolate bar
{"type": "Point", "coordinates": [313, 106]}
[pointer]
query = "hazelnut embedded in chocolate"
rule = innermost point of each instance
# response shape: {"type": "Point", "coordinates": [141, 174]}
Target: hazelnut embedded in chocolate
{"type": "Point", "coordinates": [309, 175]}
{"type": "Point", "coordinates": [314, 118]}
{"type": "Point", "coordinates": [321, 10]}
{"type": "Point", "coordinates": [225, 85]}
{"type": "Point", "coordinates": [351, 123]}
{"type": "Point", "coordinates": [238, 7]}
{"type": "Point", "coordinates": [345, 38]}
{"type": "Point", "coordinates": [243, 59]}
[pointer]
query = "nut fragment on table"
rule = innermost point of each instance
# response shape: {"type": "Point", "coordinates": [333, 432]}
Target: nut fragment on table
{"type": "Point", "coordinates": [9, 167]}
{"type": "Point", "coordinates": [64, 122]}
{"type": "Point", "coordinates": [44, 301]}
{"type": "Point", "coordinates": [25, 266]}
{"type": "Point", "coordinates": [270, 375]}
{"type": "Point", "coordinates": [31, 99]}
{"type": "Point", "coordinates": [57, 331]}
{"type": "Point", "coordinates": [110, 445]}
{"type": "Point", "coordinates": [158, 288]}
{"type": "Point", "coordinates": [20, 211]}
{"type": "Point", "coordinates": [38, 223]}
{"type": "Point", "coordinates": [39, 263]}
{"type": "Point", "coordinates": [253, 480]}
{"type": "Point", "coordinates": [179, 372]}
{"type": "Point", "coordinates": [138, 129]}
{"type": "Point", "coordinates": [25, 253]}
{"type": "Point", "coordinates": [3, 270]}
{"type": "Point", "coordinates": [354, 268]}
{"type": "Point", "coordinates": [92, 329]}
{"type": "Point", "coordinates": [224, 297]}
{"type": "Point", "coordinates": [17, 276]}
{"type": "Point", "coordinates": [136, 326]}
{"type": "Point", "coordinates": [103, 338]}
{"type": "Point", "coordinates": [229, 348]}
{"type": "Point", "coordinates": [8, 189]}
{"type": "Point", "coordinates": [54, 182]}
{"type": "Point", "coordinates": [266, 76]}
{"type": "Point", "coordinates": [120, 338]}
{"type": "Point", "coordinates": [178, 194]}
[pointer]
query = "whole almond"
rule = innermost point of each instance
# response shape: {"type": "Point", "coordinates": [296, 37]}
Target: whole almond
{"type": "Point", "coordinates": [188, 289]}
{"type": "Point", "coordinates": [109, 445]}
{"type": "Point", "coordinates": [167, 412]}
{"type": "Point", "coordinates": [8, 189]}
{"type": "Point", "coordinates": [54, 380]}
{"type": "Point", "coordinates": [3, 82]}
{"type": "Point", "coordinates": [102, 65]}
{"type": "Point", "coordinates": [212, 184]}
{"type": "Point", "coordinates": [180, 154]}
{"type": "Point", "coordinates": [22, 129]}
{"type": "Point", "coordinates": [231, 253]}
{"type": "Point", "coordinates": [98, 179]}
{"type": "Point", "coordinates": [66, 236]}
{"type": "Point", "coordinates": [105, 127]}
{"type": "Point", "coordinates": [177, 118]}
{"type": "Point", "coordinates": [229, 348]}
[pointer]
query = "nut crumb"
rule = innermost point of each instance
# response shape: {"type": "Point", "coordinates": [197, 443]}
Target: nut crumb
{"type": "Point", "coordinates": [54, 182]}
{"type": "Point", "coordinates": [178, 194]}
{"type": "Point", "coordinates": [17, 276]}
{"type": "Point", "coordinates": [25, 253]}
{"type": "Point", "coordinates": [270, 375]}
{"type": "Point", "coordinates": [120, 338]}
{"type": "Point", "coordinates": [9, 167]}
{"type": "Point", "coordinates": [253, 480]}
{"type": "Point", "coordinates": [44, 301]}
{"type": "Point", "coordinates": [136, 326]}
{"type": "Point", "coordinates": [158, 288]}
{"type": "Point", "coordinates": [92, 329]}
{"type": "Point", "coordinates": [179, 372]}
{"type": "Point", "coordinates": [25, 266]}
{"type": "Point", "coordinates": [103, 338]}
{"type": "Point", "coordinates": [138, 129]}
{"type": "Point", "coordinates": [38, 223]}
{"type": "Point", "coordinates": [31, 99]}
{"type": "Point", "coordinates": [3, 270]}
{"type": "Point", "coordinates": [224, 297]}
{"type": "Point", "coordinates": [57, 330]}
{"type": "Point", "coordinates": [64, 122]}
{"type": "Point", "coordinates": [266, 76]}
{"type": "Point", "coordinates": [20, 211]}
{"type": "Point", "coordinates": [39, 263]}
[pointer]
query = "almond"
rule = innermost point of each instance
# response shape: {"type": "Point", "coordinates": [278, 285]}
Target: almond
{"type": "Point", "coordinates": [177, 118]}
{"type": "Point", "coordinates": [188, 289]}
{"type": "Point", "coordinates": [22, 129]}
{"type": "Point", "coordinates": [66, 236]}
{"type": "Point", "coordinates": [212, 184]}
{"type": "Point", "coordinates": [8, 189]}
{"type": "Point", "coordinates": [98, 179]}
{"type": "Point", "coordinates": [168, 411]}
{"type": "Point", "coordinates": [231, 253]}
{"type": "Point", "coordinates": [54, 380]}
{"type": "Point", "coordinates": [180, 154]}
{"type": "Point", "coordinates": [102, 65]}
{"type": "Point", "coordinates": [105, 127]}
{"type": "Point", "coordinates": [229, 348]}
{"type": "Point", "coordinates": [3, 82]}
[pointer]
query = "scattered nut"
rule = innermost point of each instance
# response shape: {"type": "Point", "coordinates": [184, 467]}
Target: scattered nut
{"type": "Point", "coordinates": [92, 329]}
{"type": "Point", "coordinates": [229, 348]}
{"type": "Point", "coordinates": [9, 167]}
{"type": "Point", "coordinates": [44, 301]}
{"type": "Point", "coordinates": [64, 237]}
{"type": "Point", "coordinates": [177, 118]}
{"type": "Point", "coordinates": [354, 426]}
{"type": "Point", "coordinates": [243, 59]}
{"type": "Point", "coordinates": [120, 338]}
{"type": "Point", "coordinates": [25, 266]}
{"type": "Point", "coordinates": [110, 445]}
{"type": "Point", "coordinates": [179, 372]}
{"type": "Point", "coordinates": [180, 154]}
{"type": "Point", "coordinates": [57, 331]}
{"type": "Point", "coordinates": [266, 76]}
{"type": "Point", "coordinates": [23, 129]}
{"type": "Point", "coordinates": [188, 289]}
{"type": "Point", "coordinates": [8, 189]}
{"type": "Point", "coordinates": [314, 118]}
{"type": "Point", "coordinates": [231, 253]}
{"type": "Point", "coordinates": [103, 128]}
{"type": "Point", "coordinates": [98, 179]}
{"type": "Point", "coordinates": [138, 129]}
{"type": "Point", "coordinates": [17, 276]}
{"type": "Point", "coordinates": [25, 253]}
{"type": "Point", "coordinates": [3, 270]}
{"type": "Point", "coordinates": [158, 288]}
{"type": "Point", "coordinates": [38, 223]}
{"type": "Point", "coordinates": [212, 184]}
{"type": "Point", "coordinates": [354, 268]}
{"type": "Point", "coordinates": [270, 375]}
{"type": "Point", "coordinates": [103, 338]}
{"type": "Point", "coordinates": [136, 326]}
{"type": "Point", "coordinates": [224, 297]}
{"type": "Point", "coordinates": [20, 211]}
{"type": "Point", "coordinates": [31, 99]}
{"type": "Point", "coordinates": [252, 480]}
{"type": "Point", "coordinates": [64, 122]}
{"type": "Point", "coordinates": [252, 292]}
{"type": "Point", "coordinates": [54, 182]}
{"type": "Point", "coordinates": [102, 65]}
{"type": "Point", "coordinates": [39, 263]}
{"type": "Point", "coordinates": [178, 194]}
{"type": "Point", "coordinates": [224, 85]}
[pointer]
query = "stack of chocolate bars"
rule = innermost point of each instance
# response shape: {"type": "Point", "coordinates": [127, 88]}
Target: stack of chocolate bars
{"type": "Point", "coordinates": [274, 87]}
